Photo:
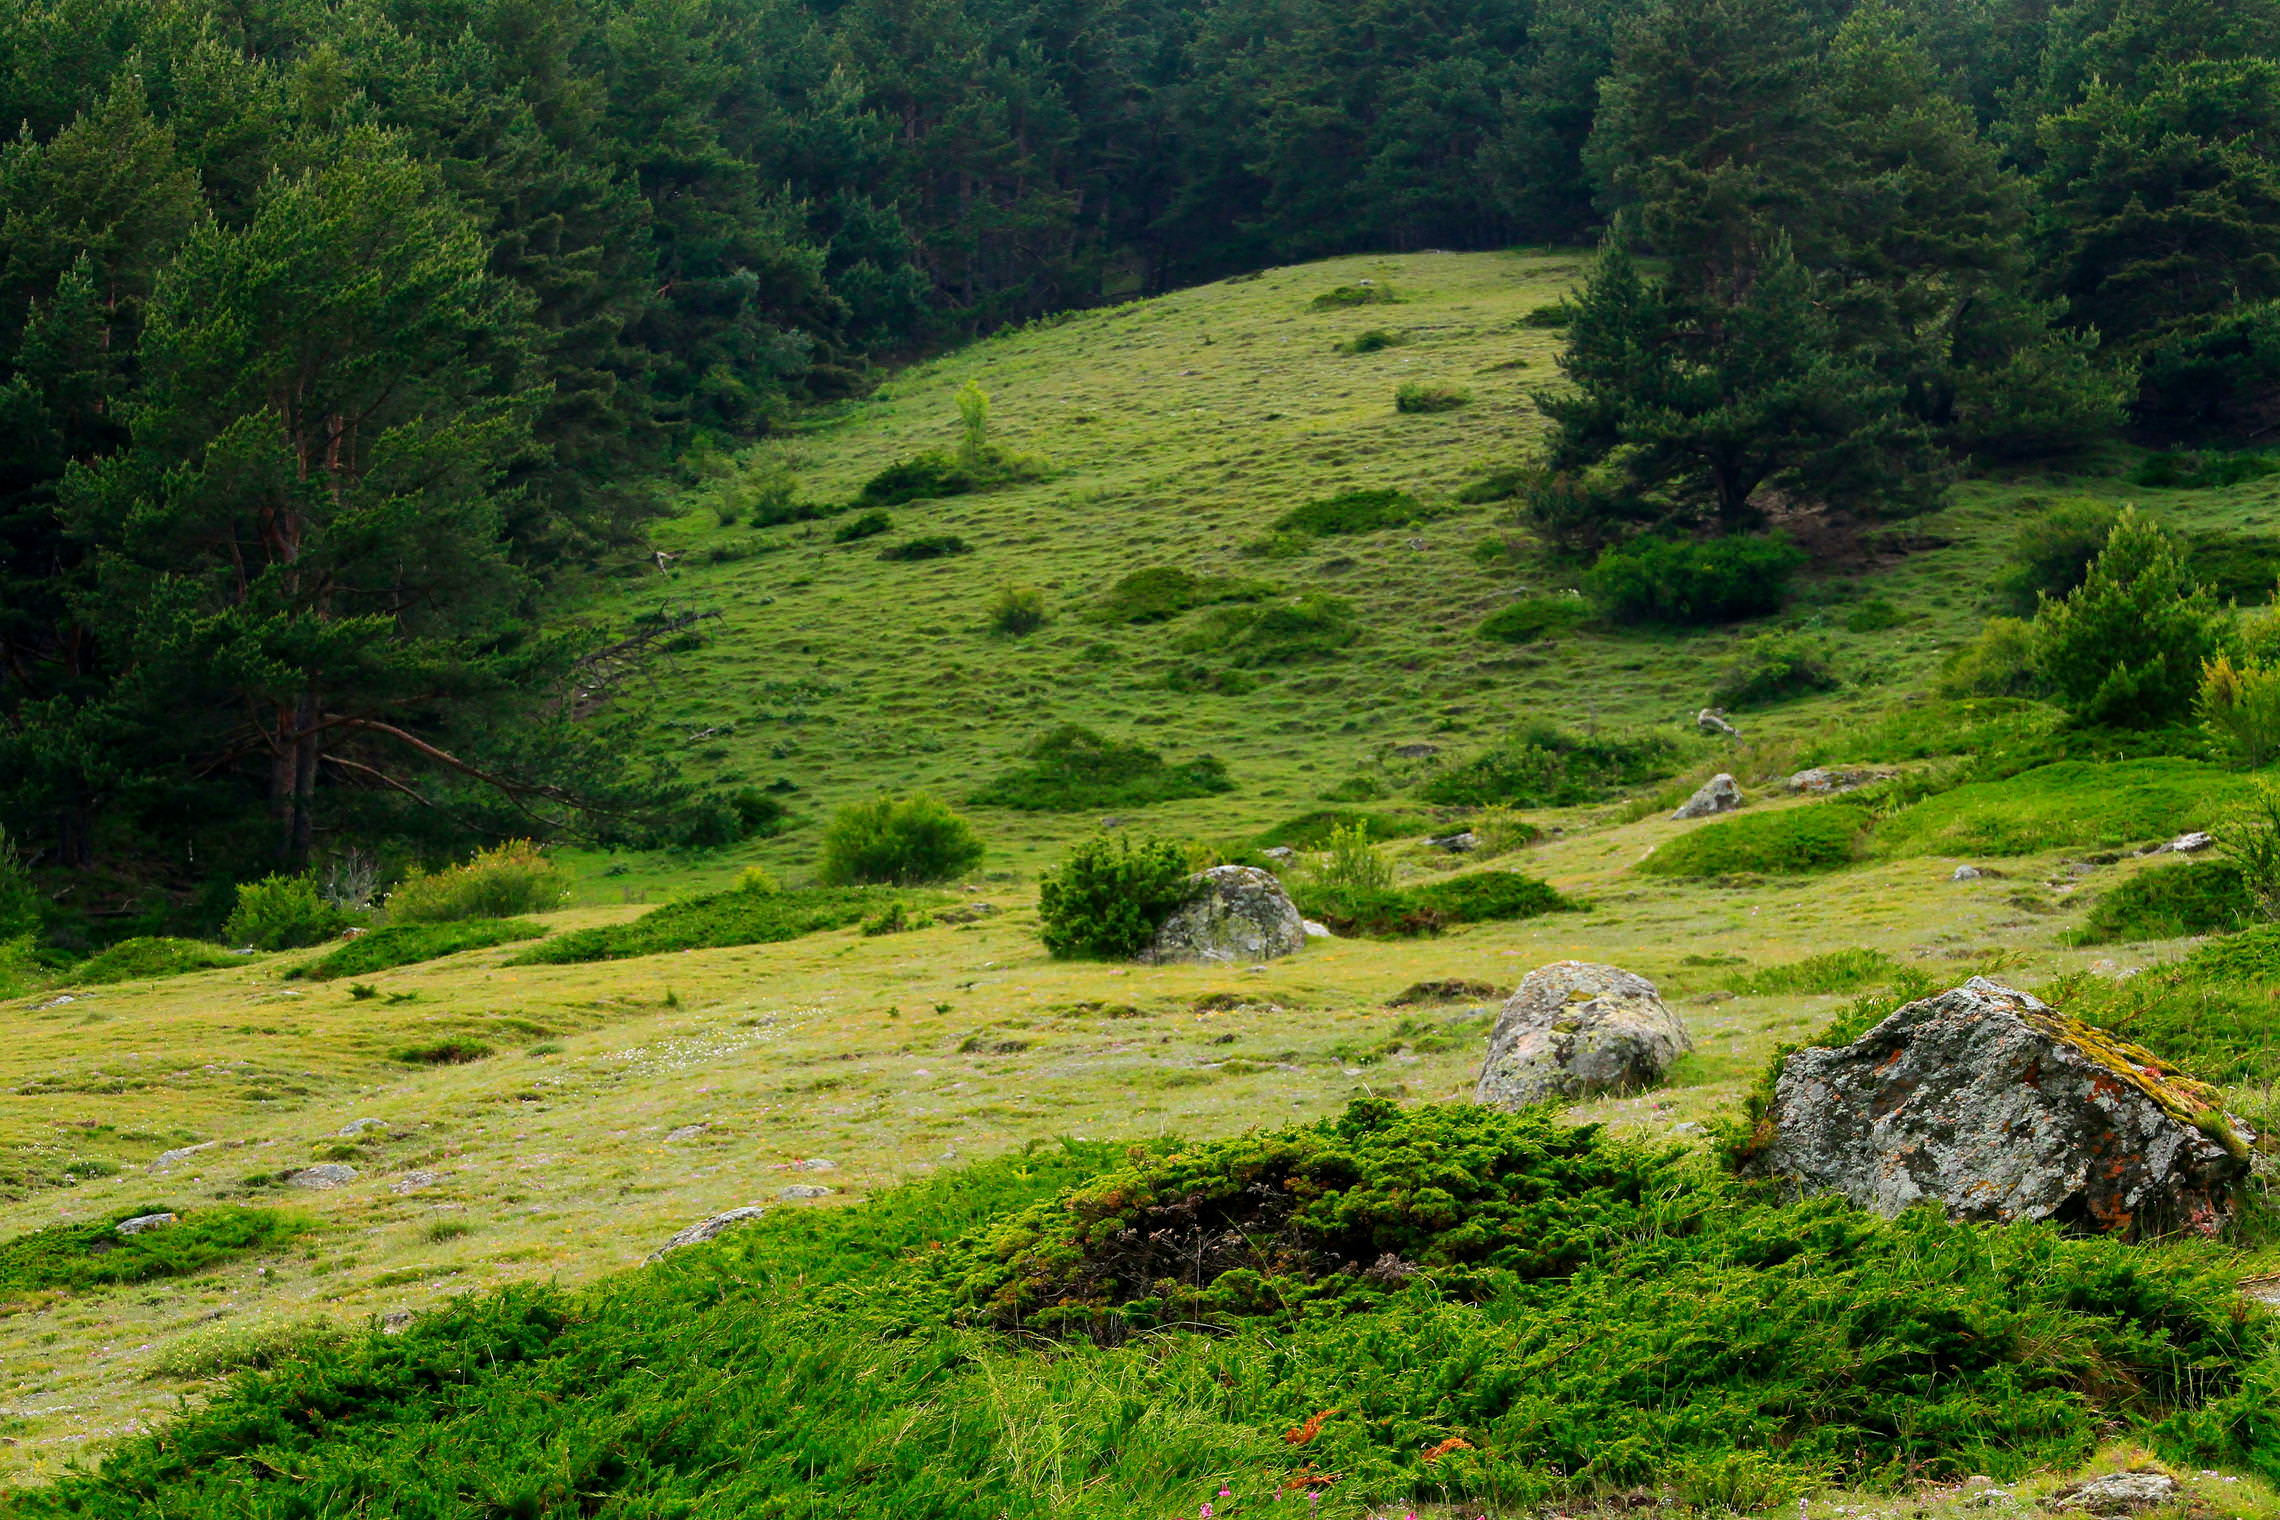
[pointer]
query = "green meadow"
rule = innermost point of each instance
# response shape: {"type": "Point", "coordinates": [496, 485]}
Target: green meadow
{"type": "Point", "coordinates": [551, 1109]}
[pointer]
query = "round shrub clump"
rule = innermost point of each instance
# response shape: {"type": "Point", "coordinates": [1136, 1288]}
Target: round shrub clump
{"type": "Point", "coordinates": [505, 881]}
{"type": "Point", "coordinates": [1689, 581]}
{"type": "Point", "coordinates": [1773, 667]}
{"type": "Point", "coordinates": [282, 913]}
{"type": "Point", "coordinates": [898, 841]}
{"type": "Point", "coordinates": [1818, 837]}
{"type": "Point", "coordinates": [1111, 895]}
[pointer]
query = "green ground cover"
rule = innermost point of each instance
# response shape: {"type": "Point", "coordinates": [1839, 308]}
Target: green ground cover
{"type": "Point", "coordinates": [1747, 1350]}
{"type": "Point", "coordinates": [409, 944]}
{"type": "Point", "coordinates": [745, 916]}
{"type": "Point", "coordinates": [2073, 803]}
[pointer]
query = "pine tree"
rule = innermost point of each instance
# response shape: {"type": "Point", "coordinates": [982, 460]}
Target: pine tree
{"type": "Point", "coordinates": [2163, 233]}
{"type": "Point", "coordinates": [1714, 402]}
{"type": "Point", "coordinates": [294, 554]}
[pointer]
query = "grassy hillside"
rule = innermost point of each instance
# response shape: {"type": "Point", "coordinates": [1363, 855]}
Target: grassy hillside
{"type": "Point", "coordinates": [1177, 432]}
{"type": "Point", "coordinates": [620, 1100]}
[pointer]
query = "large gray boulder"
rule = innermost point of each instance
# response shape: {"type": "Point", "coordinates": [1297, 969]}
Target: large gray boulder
{"type": "Point", "coordinates": [1234, 913]}
{"type": "Point", "coordinates": [1574, 1030]}
{"type": "Point", "coordinates": [1719, 794]}
{"type": "Point", "coordinates": [1995, 1106]}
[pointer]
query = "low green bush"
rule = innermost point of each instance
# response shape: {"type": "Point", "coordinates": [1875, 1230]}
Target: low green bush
{"type": "Point", "coordinates": [141, 959]}
{"type": "Point", "coordinates": [1284, 631]}
{"type": "Point", "coordinates": [1533, 618]}
{"type": "Point", "coordinates": [925, 547]}
{"type": "Point", "coordinates": [1815, 975]}
{"type": "Point", "coordinates": [2051, 553]}
{"type": "Point", "coordinates": [1362, 293]}
{"type": "Point", "coordinates": [2202, 472]}
{"type": "Point", "coordinates": [409, 944]}
{"type": "Point", "coordinates": [1372, 340]}
{"type": "Point", "coordinates": [1017, 610]}
{"type": "Point", "coordinates": [924, 478]}
{"type": "Point", "coordinates": [1073, 769]}
{"type": "Point", "coordinates": [2169, 902]}
{"type": "Point", "coordinates": [1820, 836]}
{"type": "Point", "coordinates": [1162, 592]}
{"type": "Point", "coordinates": [2251, 956]}
{"type": "Point", "coordinates": [1998, 661]}
{"type": "Point", "coordinates": [2239, 708]}
{"type": "Point", "coordinates": [1486, 897]}
{"type": "Point", "coordinates": [21, 968]}
{"type": "Point", "coordinates": [453, 1052]}
{"type": "Point", "coordinates": [1110, 895]}
{"type": "Point", "coordinates": [717, 818]}
{"type": "Point", "coordinates": [282, 913]}
{"type": "Point", "coordinates": [501, 882]}
{"type": "Point", "coordinates": [1586, 1316]}
{"type": "Point", "coordinates": [1553, 315]}
{"type": "Point", "coordinates": [1414, 397]}
{"type": "Point", "coordinates": [1543, 766]}
{"type": "Point", "coordinates": [1350, 863]}
{"type": "Point", "coordinates": [1497, 485]}
{"type": "Point", "coordinates": [1692, 581]}
{"type": "Point", "coordinates": [861, 526]}
{"type": "Point", "coordinates": [2005, 735]}
{"type": "Point", "coordinates": [898, 841]}
{"type": "Point", "coordinates": [2235, 567]}
{"type": "Point", "coordinates": [1193, 678]}
{"type": "Point", "coordinates": [2072, 804]}
{"type": "Point", "coordinates": [743, 916]}
{"type": "Point", "coordinates": [1371, 912]}
{"type": "Point", "coordinates": [1311, 831]}
{"type": "Point", "coordinates": [1352, 512]}
{"type": "Point", "coordinates": [1876, 615]}
{"type": "Point", "coordinates": [227, 1349]}
{"type": "Point", "coordinates": [75, 1257]}
{"type": "Point", "coordinates": [1774, 667]}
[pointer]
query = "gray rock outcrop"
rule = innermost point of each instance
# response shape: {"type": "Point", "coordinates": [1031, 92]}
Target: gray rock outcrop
{"type": "Point", "coordinates": [142, 1222]}
{"type": "Point", "coordinates": [1574, 1030]}
{"type": "Point", "coordinates": [1995, 1106]}
{"type": "Point", "coordinates": [1235, 913]}
{"type": "Point", "coordinates": [705, 1229]}
{"type": "Point", "coordinates": [1828, 781]}
{"type": "Point", "coordinates": [329, 1174]}
{"type": "Point", "coordinates": [2122, 1493]}
{"type": "Point", "coordinates": [1719, 794]}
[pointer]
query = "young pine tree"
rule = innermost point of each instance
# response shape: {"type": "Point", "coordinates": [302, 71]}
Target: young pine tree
{"type": "Point", "coordinates": [2126, 648]}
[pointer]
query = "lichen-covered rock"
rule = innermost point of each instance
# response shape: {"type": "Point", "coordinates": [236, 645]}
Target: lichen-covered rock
{"type": "Point", "coordinates": [1234, 913]}
{"type": "Point", "coordinates": [1995, 1106]}
{"type": "Point", "coordinates": [142, 1222]}
{"type": "Point", "coordinates": [2122, 1493]}
{"type": "Point", "coordinates": [1828, 781]}
{"type": "Point", "coordinates": [1719, 794]}
{"type": "Point", "coordinates": [1574, 1030]}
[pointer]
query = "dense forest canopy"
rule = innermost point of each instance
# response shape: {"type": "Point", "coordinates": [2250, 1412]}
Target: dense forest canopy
{"type": "Point", "coordinates": [334, 332]}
